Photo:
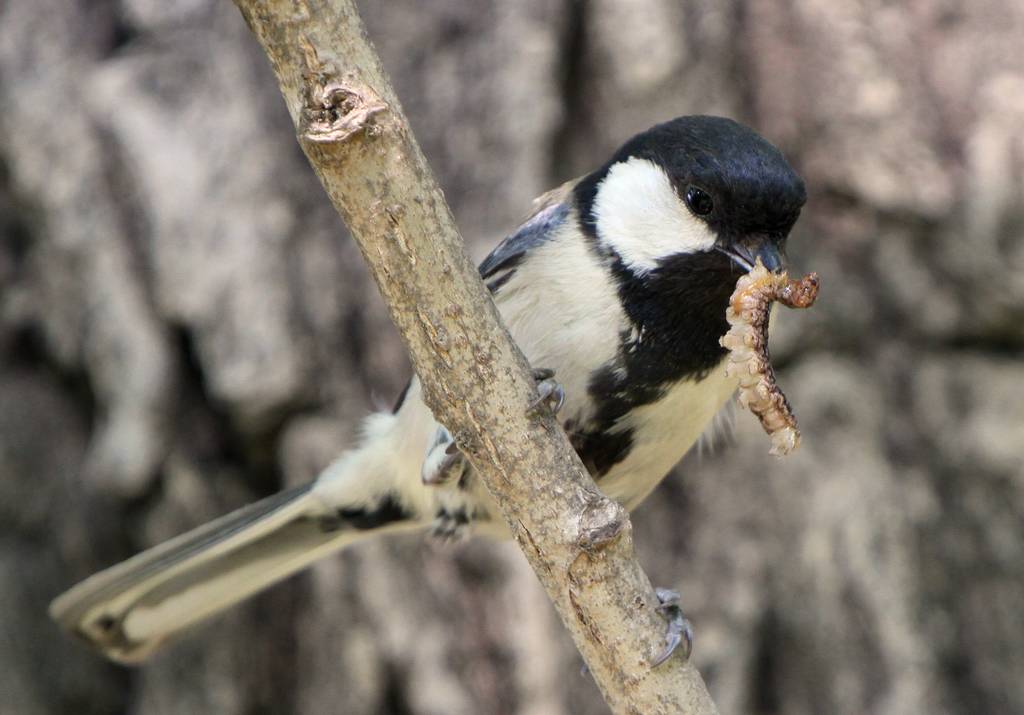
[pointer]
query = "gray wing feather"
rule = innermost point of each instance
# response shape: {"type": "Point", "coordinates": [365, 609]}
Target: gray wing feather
{"type": "Point", "coordinates": [551, 211]}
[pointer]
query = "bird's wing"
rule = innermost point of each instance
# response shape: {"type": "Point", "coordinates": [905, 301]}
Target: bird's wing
{"type": "Point", "coordinates": [549, 211]}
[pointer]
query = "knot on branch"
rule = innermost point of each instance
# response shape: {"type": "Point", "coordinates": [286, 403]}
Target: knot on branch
{"type": "Point", "coordinates": [334, 110]}
{"type": "Point", "coordinates": [601, 523]}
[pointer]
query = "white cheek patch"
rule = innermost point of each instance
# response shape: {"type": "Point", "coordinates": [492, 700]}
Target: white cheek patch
{"type": "Point", "coordinates": [642, 218]}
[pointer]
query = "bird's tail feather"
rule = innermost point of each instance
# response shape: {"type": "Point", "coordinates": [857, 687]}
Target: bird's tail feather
{"type": "Point", "coordinates": [130, 609]}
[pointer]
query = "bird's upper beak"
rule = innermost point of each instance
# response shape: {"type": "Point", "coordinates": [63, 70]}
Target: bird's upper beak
{"type": "Point", "coordinates": [746, 251]}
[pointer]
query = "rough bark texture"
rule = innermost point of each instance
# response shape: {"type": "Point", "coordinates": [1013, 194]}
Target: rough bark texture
{"type": "Point", "coordinates": [180, 331]}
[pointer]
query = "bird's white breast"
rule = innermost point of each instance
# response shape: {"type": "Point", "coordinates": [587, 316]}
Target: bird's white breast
{"type": "Point", "coordinates": [562, 309]}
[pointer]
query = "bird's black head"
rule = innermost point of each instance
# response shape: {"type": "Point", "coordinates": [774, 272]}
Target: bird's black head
{"type": "Point", "coordinates": [689, 185]}
{"type": "Point", "coordinates": [681, 210]}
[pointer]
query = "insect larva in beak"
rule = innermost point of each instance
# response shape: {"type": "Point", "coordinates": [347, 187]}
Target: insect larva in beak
{"type": "Point", "coordinates": [747, 342]}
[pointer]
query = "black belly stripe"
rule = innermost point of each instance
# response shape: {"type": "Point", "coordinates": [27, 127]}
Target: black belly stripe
{"type": "Point", "coordinates": [600, 451]}
{"type": "Point", "coordinates": [676, 317]}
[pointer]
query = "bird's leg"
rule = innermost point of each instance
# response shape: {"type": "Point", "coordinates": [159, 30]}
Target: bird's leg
{"type": "Point", "coordinates": [679, 628]}
{"type": "Point", "coordinates": [444, 462]}
{"type": "Point", "coordinates": [550, 393]}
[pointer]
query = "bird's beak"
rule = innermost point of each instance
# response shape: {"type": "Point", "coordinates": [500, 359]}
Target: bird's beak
{"type": "Point", "coordinates": [746, 251]}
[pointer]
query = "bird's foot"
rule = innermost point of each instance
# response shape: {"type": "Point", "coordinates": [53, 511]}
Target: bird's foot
{"type": "Point", "coordinates": [444, 462]}
{"type": "Point", "coordinates": [679, 630]}
{"type": "Point", "coordinates": [450, 526]}
{"type": "Point", "coordinates": [550, 393]}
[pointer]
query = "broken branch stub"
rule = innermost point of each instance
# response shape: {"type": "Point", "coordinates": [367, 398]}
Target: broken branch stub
{"type": "Point", "coordinates": [334, 109]}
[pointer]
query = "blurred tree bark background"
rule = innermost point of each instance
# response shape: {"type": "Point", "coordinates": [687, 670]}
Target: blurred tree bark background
{"type": "Point", "coordinates": [180, 332]}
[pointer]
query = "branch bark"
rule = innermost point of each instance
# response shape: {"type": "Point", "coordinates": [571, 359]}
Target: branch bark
{"type": "Point", "coordinates": [352, 128]}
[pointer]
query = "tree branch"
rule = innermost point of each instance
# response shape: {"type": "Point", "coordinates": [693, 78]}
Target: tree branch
{"type": "Point", "coordinates": [353, 130]}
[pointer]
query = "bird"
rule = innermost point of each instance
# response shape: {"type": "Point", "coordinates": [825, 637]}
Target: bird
{"type": "Point", "coordinates": [615, 288]}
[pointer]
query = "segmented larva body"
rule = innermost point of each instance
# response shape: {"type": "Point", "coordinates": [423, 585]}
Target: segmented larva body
{"type": "Point", "coordinates": [747, 342]}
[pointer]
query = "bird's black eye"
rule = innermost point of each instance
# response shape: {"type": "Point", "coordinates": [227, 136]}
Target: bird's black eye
{"type": "Point", "coordinates": [699, 201]}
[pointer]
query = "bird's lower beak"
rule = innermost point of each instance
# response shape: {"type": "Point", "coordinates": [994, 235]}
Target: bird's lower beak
{"type": "Point", "coordinates": [746, 252]}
